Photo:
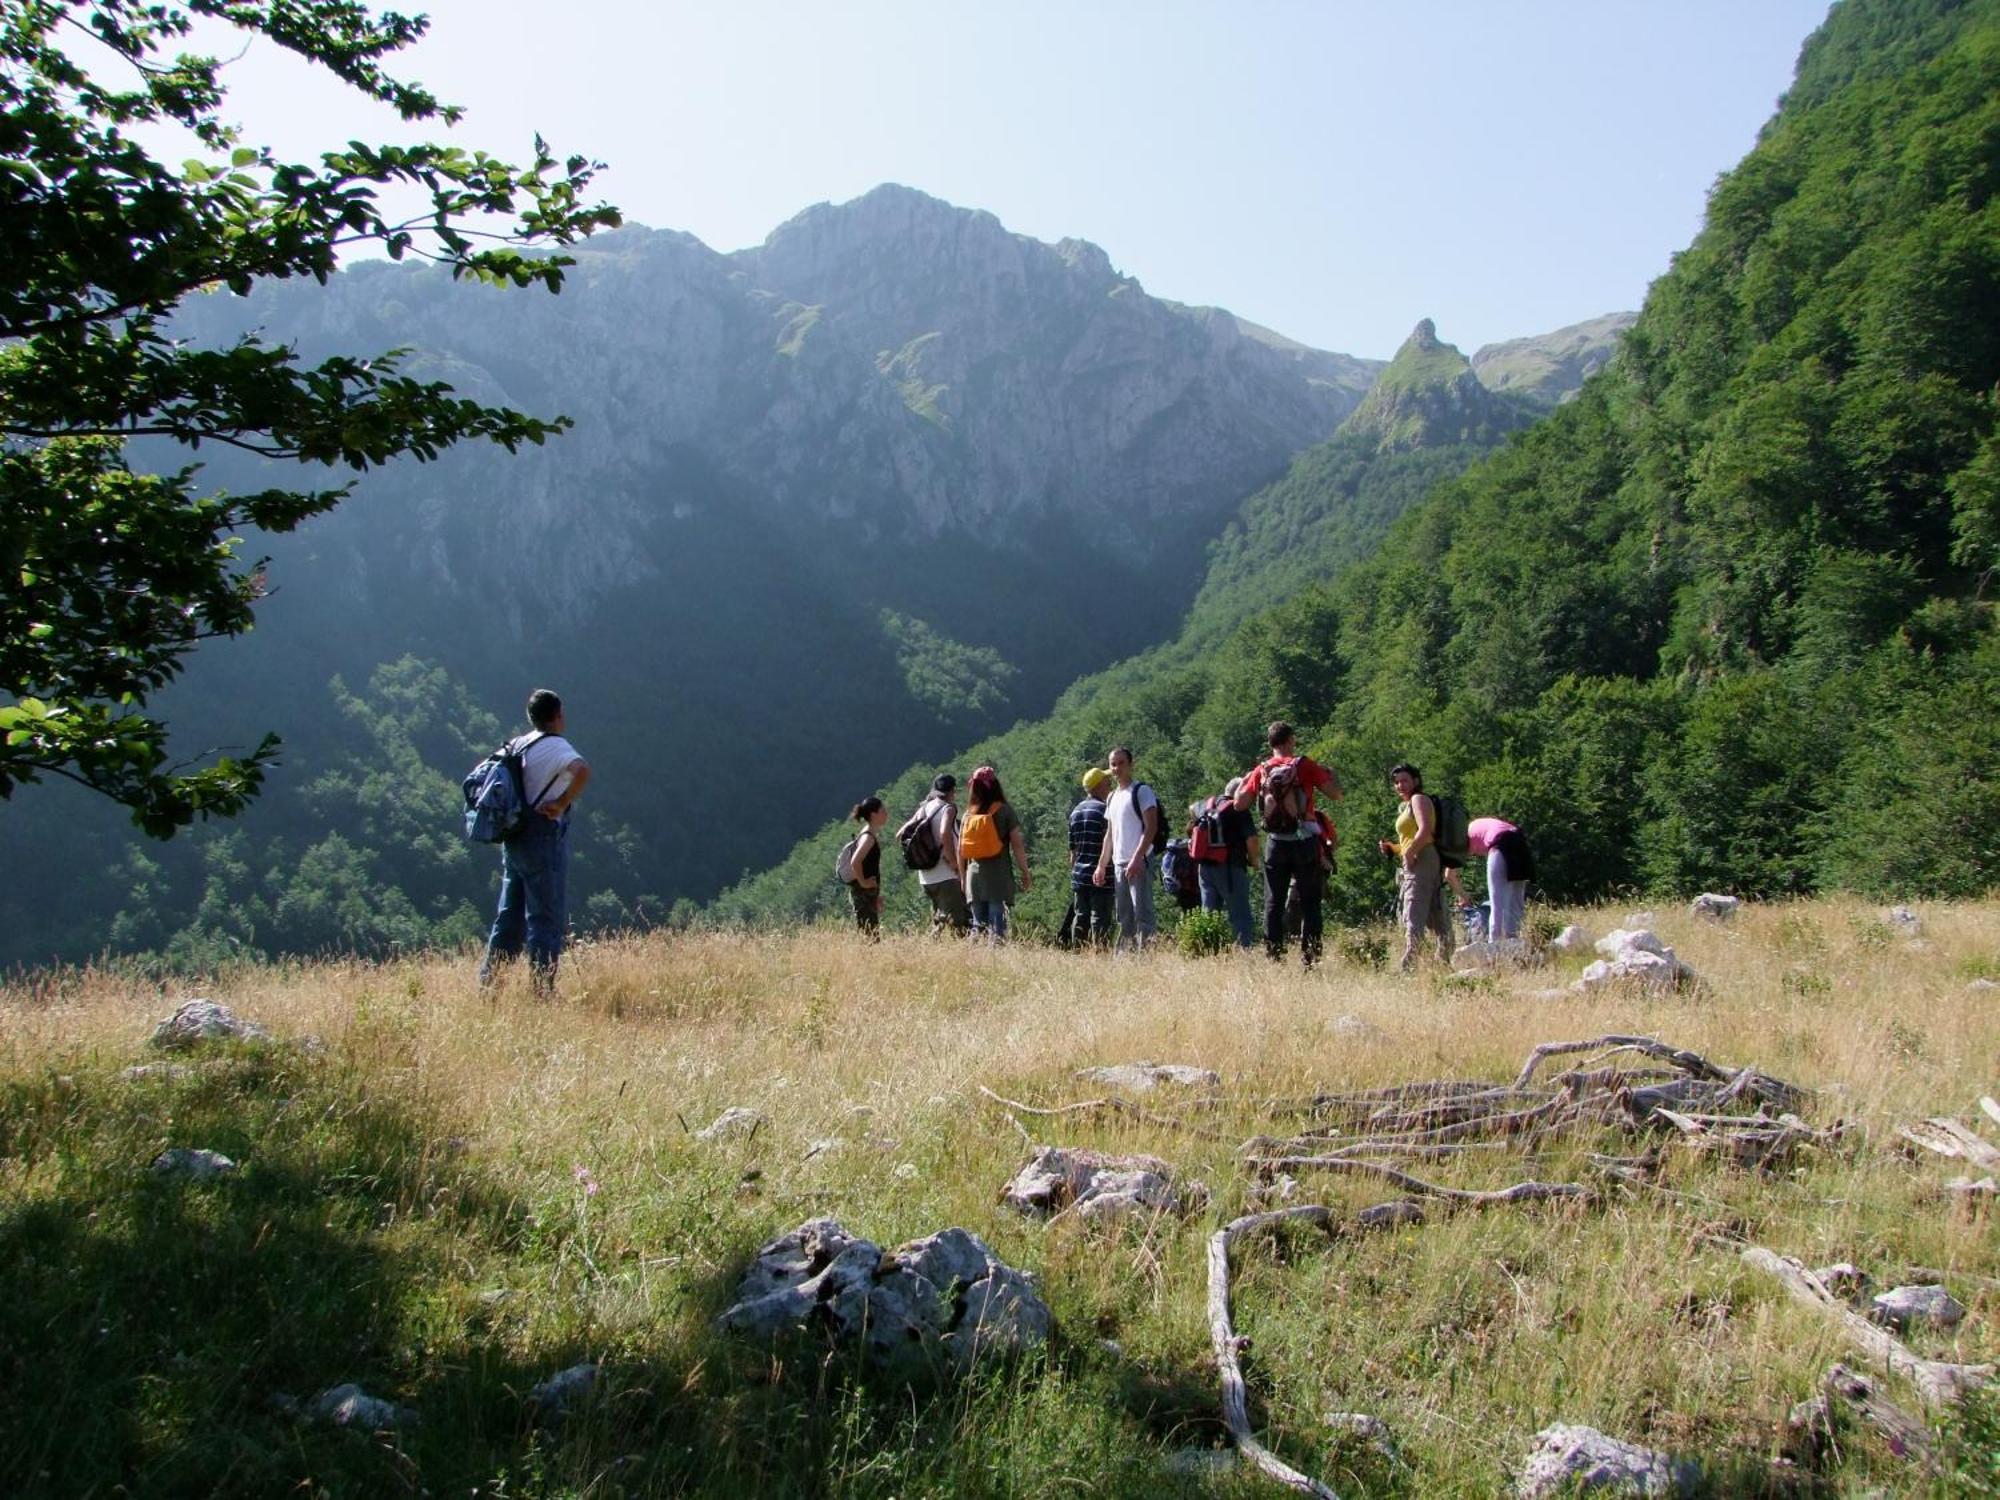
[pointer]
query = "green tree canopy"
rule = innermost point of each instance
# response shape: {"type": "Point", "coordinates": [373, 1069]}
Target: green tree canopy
{"type": "Point", "coordinates": [111, 574]}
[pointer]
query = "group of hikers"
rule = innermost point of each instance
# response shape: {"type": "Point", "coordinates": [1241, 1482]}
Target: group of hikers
{"type": "Point", "coordinates": [971, 866]}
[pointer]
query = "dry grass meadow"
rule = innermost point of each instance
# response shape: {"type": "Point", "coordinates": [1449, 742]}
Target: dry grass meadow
{"type": "Point", "coordinates": [457, 1195]}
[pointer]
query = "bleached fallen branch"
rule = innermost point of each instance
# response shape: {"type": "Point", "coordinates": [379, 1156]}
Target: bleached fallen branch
{"type": "Point", "coordinates": [1949, 1138]}
{"type": "Point", "coordinates": [1939, 1383]}
{"type": "Point", "coordinates": [1229, 1347]}
{"type": "Point", "coordinates": [1520, 1192]}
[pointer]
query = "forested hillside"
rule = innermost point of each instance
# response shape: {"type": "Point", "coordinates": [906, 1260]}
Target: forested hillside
{"type": "Point", "coordinates": [808, 485]}
{"type": "Point", "coordinates": [1424, 421]}
{"type": "Point", "coordinates": [1722, 620]}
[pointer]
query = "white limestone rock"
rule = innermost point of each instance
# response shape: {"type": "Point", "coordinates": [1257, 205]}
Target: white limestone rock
{"type": "Point", "coordinates": [1572, 939]}
{"type": "Point", "coordinates": [1981, 986]}
{"type": "Point", "coordinates": [1905, 1307]}
{"type": "Point", "coordinates": [350, 1406]}
{"type": "Point", "coordinates": [195, 1164]}
{"type": "Point", "coordinates": [732, 1122]}
{"type": "Point", "coordinates": [1142, 1077]}
{"type": "Point", "coordinates": [1634, 956]}
{"type": "Point", "coordinates": [198, 1021]}
{"type": "Point", "coordinates": [559, 1395]}
{"type": "Point", "coordinates": [945, 1298]}
{"type": "Point", "coordinates": [1093, 1184]}
{"type": "Point", "coordinates": [1570, 1460]}
{"type": "Point", "coordinates": [1714, 906]}
{"type": "Point", "coordinates": [1625, 939]}
{"type": "Point", "coordinates": [1906, 922]}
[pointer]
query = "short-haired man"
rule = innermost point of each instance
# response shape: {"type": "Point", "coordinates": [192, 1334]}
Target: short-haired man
{"type": "Point", "coordinates": [1132, 822]}
{"type": "Point", "coordinates": [1292, 837]}
{"type": "Point", "coordinates": [943, 881]}
{"type": "Point", "coordinates": [534, 863]}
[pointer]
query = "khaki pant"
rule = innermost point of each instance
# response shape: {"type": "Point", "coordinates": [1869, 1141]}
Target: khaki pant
{"type": "Point", "coordinates": [1421, 892]}
{"type": "Point", "coordinates": [948, 906]}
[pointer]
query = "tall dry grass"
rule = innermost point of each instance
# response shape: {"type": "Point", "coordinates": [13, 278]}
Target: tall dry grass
{"type": "Point", "coordinates": [1466, 1334]}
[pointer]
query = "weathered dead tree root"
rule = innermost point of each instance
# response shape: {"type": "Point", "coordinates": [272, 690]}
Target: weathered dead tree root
{"type": "Point", "coordinates": [1700, 1100]}
{"type": "Point", "coordinates": [1738, 1081]}
{"type": "Point", "coordinates": [1938, 1383]}
{"type": "Point", "coordinates": [1520, 1192]}
{"type": "Point", "coordinates": [1811, 1421]}
{"type": "Point", "coordinates": [1229, 1347]}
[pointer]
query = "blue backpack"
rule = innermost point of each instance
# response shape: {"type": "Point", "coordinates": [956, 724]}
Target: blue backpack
{"type": "Point", "coordinates": [496, 801]}
{"type": "Point", "coordinates": [1177, 873]}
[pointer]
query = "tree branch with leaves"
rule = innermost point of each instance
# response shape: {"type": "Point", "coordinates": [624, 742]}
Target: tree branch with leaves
{"type": "Point", "coordinates": [109, 575]}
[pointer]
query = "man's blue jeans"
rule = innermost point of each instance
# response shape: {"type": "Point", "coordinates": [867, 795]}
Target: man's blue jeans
{"type": "Point", "coordinates": [1226, 888]}
{"type": "Point", "coordinates": [534, 900]}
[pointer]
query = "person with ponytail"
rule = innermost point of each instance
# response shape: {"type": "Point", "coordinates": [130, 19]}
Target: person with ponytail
{"type": "Point", "coordinates": [866, 889]}
{"type": "Point", "coordinates": [991, 843]}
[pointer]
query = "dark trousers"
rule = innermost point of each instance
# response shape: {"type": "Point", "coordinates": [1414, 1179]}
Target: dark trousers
{"type": "Point", "coordinates": [1289, 863]}
{"type": "Point", "coordinates": [867, 909]}
{"type": "Point", "coordinates": [1095, 905]}
{"type": "Point", "coordinates": [534, 900]}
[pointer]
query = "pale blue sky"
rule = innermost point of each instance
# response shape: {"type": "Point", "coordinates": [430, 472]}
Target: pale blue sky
{"type": "Point", "coordinates": [1335, 170]}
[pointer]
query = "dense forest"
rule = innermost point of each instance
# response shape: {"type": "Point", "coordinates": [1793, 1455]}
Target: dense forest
{"type": "Point", "coordinates": [1722, 621]}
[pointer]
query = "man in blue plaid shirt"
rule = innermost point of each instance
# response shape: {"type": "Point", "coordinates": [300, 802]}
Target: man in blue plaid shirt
{"type": "Point", "coordinates": [1087, 828]}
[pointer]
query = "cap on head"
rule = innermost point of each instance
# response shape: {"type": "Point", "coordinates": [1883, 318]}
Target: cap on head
{"type": "Point", "coordinates": [1096, 779]}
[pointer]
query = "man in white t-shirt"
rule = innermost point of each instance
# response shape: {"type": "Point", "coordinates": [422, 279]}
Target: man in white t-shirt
{"type": "Point", "coordinates": [534, 863]}
{"type": "Point", "coordinates": [1132, 819]}
{"type": "Point", "coordinates": [942, 881]}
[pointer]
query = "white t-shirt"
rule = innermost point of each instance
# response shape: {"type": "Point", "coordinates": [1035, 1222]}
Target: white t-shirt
{"type": "Point", "coordinates": [1125, 813]}
{"type": "Point", "coordinates": [944, 823]}
{"type": "Point", "coordinates": [545, 764]}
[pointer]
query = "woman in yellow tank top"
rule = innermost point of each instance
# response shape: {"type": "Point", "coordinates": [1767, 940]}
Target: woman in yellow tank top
{"type": "Point", "coordinates": [1420, 880]}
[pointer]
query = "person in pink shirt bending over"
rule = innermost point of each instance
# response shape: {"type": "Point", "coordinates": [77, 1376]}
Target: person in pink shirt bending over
{"type": "Point", "coordinates": [1509, 867]}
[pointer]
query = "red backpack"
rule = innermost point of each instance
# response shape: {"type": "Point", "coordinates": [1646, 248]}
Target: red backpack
{"type": "Point", "coordinates": [1206, 844]}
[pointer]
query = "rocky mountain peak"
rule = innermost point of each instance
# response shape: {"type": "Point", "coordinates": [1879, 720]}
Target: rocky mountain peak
{"type": "Point", "coordinates": [1548, 368]}
{"type": "Point", "coordinates": [1428, 396]}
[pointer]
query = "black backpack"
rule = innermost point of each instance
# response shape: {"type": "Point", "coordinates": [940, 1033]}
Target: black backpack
{"type": "Point", "coordinates": [919, 836]}
{"type": "Point", "coordinates": [1451, 829]}
{"type": "Point", "coordinates": [1159, 844]}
